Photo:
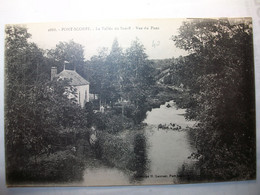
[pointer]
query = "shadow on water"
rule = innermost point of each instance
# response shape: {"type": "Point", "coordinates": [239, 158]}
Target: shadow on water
{"type": "Point", "coordinates": [140, 164]}
{"type": "Point", "coordinates": [145, 156]}
{"type": "Point", "coordinates": [119, 166]}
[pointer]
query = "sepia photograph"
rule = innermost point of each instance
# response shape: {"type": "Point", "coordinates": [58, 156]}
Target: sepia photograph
{"type": "Point", "coordinates": [129, 102]}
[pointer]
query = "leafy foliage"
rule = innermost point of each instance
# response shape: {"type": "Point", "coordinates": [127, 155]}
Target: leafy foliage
{"type": "Point", "coordinates": [120, 75]}
{"type": "Point", "coordinates": [69, 54]}
{"type": "Point", "coordinates": [221, 84]}
{"type": "Point", "coordinates": [36, 110]}
{"type": "Point", "coordinates": [43, 124]}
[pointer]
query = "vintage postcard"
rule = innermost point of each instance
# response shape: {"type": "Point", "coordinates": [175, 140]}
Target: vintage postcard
{"type": "Point", "coordinates": [130, 102]}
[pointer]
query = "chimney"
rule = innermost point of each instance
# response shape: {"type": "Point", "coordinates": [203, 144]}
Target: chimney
{"type": "Point", "coordinates": [53, 72]}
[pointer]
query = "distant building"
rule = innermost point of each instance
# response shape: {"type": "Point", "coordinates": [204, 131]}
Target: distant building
{"type": "Point", "coordinates": [77, 81]}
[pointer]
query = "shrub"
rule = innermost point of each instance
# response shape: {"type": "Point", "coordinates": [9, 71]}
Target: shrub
{"type": "Point", "coordinates": [62, 166]}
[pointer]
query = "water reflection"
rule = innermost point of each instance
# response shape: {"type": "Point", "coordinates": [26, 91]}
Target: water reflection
{"type": "Point", "coordinates": [168, 149]}
{"type": "Point", "coordinates": [140, 164]}
{"type": "Point", "coordinates": [158, 153]}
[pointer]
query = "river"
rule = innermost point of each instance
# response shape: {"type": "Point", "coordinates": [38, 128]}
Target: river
{"type": "Point", "coordinates": [165, 150]}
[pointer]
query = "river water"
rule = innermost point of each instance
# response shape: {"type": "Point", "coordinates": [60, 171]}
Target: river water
{"type": "Point", "coordinates": [166, 150]}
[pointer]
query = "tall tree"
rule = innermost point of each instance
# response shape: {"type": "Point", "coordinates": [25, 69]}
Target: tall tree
{"type": "Point", "coordinates": [138, 73]}
{"type": "Point", "coordinates": [114, 64]}
{"type": "Point", "coordinates": [98, 75]}
{"type": "Point", "coordinates": [69, 54]}
{"type": "Point", "coordinates": [137, 79]}
{"type": "Point", "coordinates": [222, 91]}
{"type": "Point", "coordinates": [105, 70]}
{"type": "Point", "coordinates": [36, 109]}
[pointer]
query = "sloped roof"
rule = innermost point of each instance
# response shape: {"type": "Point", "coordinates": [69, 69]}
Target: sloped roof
{"type": "Point", "coordinates": [72, 75]}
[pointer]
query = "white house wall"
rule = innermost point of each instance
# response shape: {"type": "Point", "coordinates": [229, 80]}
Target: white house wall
{"type": "Point", "coordinates": [82, 94]}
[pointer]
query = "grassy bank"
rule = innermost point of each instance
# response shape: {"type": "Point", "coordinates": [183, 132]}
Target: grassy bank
{"type": "Point", "coordinates": [59, 167]}
{"type": "Point", "coordinates": [125, 151]}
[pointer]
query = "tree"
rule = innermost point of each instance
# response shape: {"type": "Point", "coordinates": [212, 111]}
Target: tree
{"type": "Point", "coordinates": [137, 79]}
{"type": "Point", "coordinates": [21, 68]}
{"type": "Point", "coordinates": [97, 74]}
{"type": "Point", "coordinates": [138, 73]}
{"type": "Point", "coordinates": [37, 110]}
{"type": "Point", "coordinates": [69, 54]}
{"type": "Point", "coordinates": [106, 73]}
{"type": "Point", "coordinates": [113, 67]}
{"type": "Point", "coordinates": [221, 90]}
{"type": "Point", "coordinates": [127, 75]}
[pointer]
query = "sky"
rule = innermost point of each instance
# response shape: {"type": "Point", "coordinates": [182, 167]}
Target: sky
{"type": "Point", "coordinates": [154, 34]}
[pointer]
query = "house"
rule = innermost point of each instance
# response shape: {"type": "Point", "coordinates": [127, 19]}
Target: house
{"type": "Point", "coordinates": [77, 81]}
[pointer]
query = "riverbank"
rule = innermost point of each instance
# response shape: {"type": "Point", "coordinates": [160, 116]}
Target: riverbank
{"type": "Point", "coordinates": [138, 155]}
{"type": "Point", "coordinates": [165, 94]}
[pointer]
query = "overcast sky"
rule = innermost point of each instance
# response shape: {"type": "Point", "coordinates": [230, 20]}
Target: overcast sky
{"type": "Point", "coordinates": [155, 35]}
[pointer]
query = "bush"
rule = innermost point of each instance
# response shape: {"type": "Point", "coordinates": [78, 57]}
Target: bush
{"type": "Point", "coordinates": [127, 152]}
{"type": "Point", "coordinates": [116, 151]}
{"type": "Point", "coordinates": [112, 122]}
{"type": "Point", "coordinates": [62, 166]}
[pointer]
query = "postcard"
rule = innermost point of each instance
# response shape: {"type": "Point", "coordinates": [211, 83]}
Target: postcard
{"type": "Point", "coordinates": [130, 102]}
